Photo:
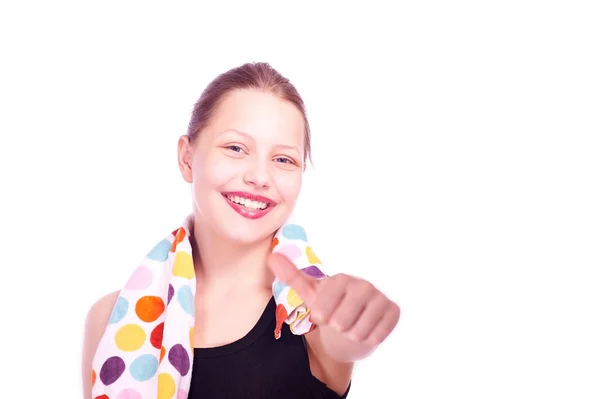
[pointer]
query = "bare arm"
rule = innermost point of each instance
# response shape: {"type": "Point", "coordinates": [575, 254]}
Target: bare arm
{"type": "Point", "coordinates": [95, 324]}
{"type": "Point", "coordinates": [336, 374]}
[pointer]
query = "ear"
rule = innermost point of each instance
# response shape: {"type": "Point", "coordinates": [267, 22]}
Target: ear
{"type": "Point", "coordinates": [184, 157]}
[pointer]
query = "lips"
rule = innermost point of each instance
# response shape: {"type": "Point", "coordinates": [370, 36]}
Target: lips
{"type": "Point", "coordinates": [249, 205]}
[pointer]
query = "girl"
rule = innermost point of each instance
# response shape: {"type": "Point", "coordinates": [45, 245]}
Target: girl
{"type": "Point", "coordinates": [244, 156]}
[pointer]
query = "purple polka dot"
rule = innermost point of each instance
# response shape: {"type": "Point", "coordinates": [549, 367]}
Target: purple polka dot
{"type": "Point", "coordinates": [179, 358]}
{"type": "Point", "coordinates": [314, 271]}
{"type": "Point", "coordinates": [171, 293]}
{"type": "Point", "coordinates": [111, 370]}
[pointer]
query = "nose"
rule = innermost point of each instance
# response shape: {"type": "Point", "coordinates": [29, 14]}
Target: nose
{"type": "Point", "coordinates": [257, 175]}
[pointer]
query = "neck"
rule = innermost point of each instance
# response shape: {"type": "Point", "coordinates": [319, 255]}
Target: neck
{"type": "Point", "coordinates": [219, 260]}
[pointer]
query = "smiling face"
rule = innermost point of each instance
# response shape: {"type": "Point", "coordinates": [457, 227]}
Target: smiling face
{"type": "Point", "coordinates": [246, 166]}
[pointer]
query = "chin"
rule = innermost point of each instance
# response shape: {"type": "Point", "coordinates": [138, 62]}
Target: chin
{"type": "Point", "coordinates": [246, 232]}
{"type": "Point", "coordinates": [247, 237]}
{"type": "Point", "coordinates": [243, 220]}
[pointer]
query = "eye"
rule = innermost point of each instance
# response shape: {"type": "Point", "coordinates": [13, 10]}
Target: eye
{"type": "Point", "coordinates": [283, 160]}
{"type": "Point", "coordinates": [235, 148]}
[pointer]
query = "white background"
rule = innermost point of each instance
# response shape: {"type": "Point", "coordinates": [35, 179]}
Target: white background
{"type": "Point", "coordinates": [456, 167]}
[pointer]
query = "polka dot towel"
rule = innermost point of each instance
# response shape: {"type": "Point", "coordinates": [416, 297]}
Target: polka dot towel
{"type": "Point", "coordinates": [147, 348]}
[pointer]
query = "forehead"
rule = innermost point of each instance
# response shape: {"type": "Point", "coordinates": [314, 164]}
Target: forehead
{"type": "Point", "coordinates": [262, 115]}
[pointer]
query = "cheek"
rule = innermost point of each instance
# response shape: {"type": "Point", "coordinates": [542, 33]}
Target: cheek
{"type": "Point", "coordinates": [288, 185]}
{"type": "Point", "coordinates": [217, 170]}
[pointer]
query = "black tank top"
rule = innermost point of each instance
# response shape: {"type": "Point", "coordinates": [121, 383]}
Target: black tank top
{"type": "Point", "coordinates": [258, 366]}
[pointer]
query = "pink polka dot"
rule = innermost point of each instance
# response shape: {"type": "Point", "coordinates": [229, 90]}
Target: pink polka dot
{"type": "Point", "coordinates": [290, 251]}
{"type": "Point", "coordinates": [182, 394]}
{"type": "Point", "coordinates": [129, 394]}
{"type": "Point", "coordinates": [140, 279]}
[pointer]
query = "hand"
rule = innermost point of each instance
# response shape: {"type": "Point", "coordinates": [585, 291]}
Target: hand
{"type": "Point", "coordinates": [350, 305]}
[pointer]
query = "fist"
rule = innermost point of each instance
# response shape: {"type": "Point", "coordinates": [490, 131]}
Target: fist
{"type": "Point", "coordinates": [350, 305]}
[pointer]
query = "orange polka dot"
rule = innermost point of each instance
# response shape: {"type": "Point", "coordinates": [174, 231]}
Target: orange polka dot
{"type": "Point", "coordinates": [179, 236]}
{"type": "Point", "coordinates": [162, 353]}
{"type": "Point", "coordinates": [93, 377]}
{"type": "Point", "coordinates": [149, 308]}
{"type": "Point", "coordinates": [192, 338]}
{"type": "Point", "coordinates": [280, 315]}
{"type": "Point", "coordinates": [274, 243]}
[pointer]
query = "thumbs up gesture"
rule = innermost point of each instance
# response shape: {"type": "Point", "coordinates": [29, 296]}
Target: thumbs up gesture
{"type": "Point", "coordinates": [351, 309]}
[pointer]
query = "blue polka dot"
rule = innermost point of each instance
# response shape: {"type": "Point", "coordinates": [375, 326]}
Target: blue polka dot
{"type": "Point", "coordinates": [119, 310]}
{"type": "Point", "coordinates": [144, 367]}
{"type": "Point", "coordinates": [277, 288]}
{"type": "Point", "coordinates": [186, 299]}
{"type": "Point", "coordinates": [160, 252]}
{"type": "Point", "coordinates": [294, 232]}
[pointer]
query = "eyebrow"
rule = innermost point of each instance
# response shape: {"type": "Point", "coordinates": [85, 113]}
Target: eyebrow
{"type": "Point", "coordinates": [290, 147]}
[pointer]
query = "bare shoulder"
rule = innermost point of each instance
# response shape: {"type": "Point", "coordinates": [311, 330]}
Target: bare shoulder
{"type": "Point", "coordinates": [101, 309]}
{"type": "Point", "coordinates": [335, 374]}
{"type": "Point", "coordinates": [95, 323]}
{"type": "Point", "coordinates": [97, 319]}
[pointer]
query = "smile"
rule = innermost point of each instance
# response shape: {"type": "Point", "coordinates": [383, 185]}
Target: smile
{"type": "Point", "coordinates": [249, 205]}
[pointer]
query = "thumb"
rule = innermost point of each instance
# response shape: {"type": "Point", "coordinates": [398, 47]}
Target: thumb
{"type": "Point", "coordinates": [289, 274]}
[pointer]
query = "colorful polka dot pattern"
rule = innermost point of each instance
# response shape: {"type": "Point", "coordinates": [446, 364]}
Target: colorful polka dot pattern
{"type": "Point", "coordinates": [291, 240]}
{"type": "Point", "coordinates": [147, 348]}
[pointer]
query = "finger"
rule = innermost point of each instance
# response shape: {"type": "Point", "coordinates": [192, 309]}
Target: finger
{"type": "Point", "coordinates": [370, 318]}
{"type": "Point", "coordinates": [289, 274]}
{"type": "Point", "coordinates": [385, 325]}
{"type": "Point", "coordinates": [329, 293]}
{"type": "Point", "coordinates": [358, 295]}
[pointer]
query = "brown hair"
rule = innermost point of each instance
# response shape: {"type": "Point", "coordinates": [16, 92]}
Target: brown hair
{"type": "Point", "coordinates": [256, 75]}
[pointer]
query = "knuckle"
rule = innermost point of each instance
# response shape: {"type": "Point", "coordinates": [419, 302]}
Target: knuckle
{"type": "Point", "coordinates": [361, 336]}
{"type": "Point", "coordinates": [368, 286]}
{"type": "Point", "coordinates": [364, 288]}
{"type": "Point", "coordinates": [317, 315]}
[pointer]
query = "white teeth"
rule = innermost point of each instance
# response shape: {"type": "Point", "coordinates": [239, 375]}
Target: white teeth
{"type": "Point", "coordinates": [248, 203]}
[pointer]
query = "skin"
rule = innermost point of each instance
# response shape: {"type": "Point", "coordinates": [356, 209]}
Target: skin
{"type": "Point", "coordinates": [255, 143]}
